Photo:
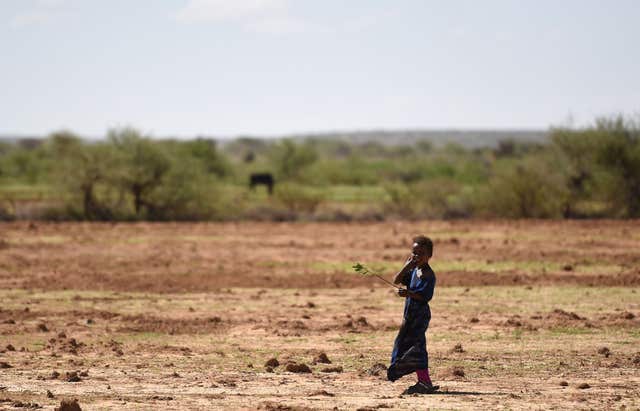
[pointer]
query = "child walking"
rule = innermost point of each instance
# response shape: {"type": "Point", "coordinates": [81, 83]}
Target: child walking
{"type": "Point", "coordinates": [410, 348]}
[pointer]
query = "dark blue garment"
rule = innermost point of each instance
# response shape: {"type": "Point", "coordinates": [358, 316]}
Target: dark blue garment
{"type": "Point", "coordinates": [410, 348]}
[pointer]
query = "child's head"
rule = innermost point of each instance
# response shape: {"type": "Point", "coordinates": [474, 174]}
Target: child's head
{"type": "Point", "coordinates": [422, 249]}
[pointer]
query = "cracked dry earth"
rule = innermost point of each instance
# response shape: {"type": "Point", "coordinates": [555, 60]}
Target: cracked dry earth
{"type": "Point", "coordinates": [269, 316]}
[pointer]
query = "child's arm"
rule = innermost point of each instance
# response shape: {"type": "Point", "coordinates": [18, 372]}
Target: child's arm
{"type": "Point", "coordinates": [408, 266]}
{"type": "Point", "coordinates": [425, 293]}
{"type": "Point", "coordinates": [407, 293]}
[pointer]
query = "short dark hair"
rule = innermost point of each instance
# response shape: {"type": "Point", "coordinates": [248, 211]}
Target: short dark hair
{"type": "Point", "coordinates": [424, 241]}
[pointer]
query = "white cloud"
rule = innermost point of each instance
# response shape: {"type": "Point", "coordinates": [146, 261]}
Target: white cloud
{"type": "Point", "coordinates": [264, 16]}
{"type": "Point", "coordinates": [42, 11]}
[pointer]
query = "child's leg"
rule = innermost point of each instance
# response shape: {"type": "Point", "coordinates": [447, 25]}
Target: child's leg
{"type": "Point", "coordinates": [423, 376]}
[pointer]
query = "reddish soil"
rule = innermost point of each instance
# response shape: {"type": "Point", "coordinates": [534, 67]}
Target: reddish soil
{"type": "Point", "coordinates": [207, 257]}
{"type": "Point", "coordinates": [270, 316]}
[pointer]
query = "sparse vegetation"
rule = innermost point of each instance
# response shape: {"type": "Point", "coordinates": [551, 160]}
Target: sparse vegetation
{"type": "Point", "coordinates": [579, 173]}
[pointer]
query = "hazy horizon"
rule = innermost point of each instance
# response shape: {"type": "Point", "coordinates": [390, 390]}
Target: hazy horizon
{"type": "Point", "coordinates": [270, 68]}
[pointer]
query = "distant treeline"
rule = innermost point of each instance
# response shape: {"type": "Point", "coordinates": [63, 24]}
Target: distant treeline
{"type": "Point", "coordinates": [592, 172]}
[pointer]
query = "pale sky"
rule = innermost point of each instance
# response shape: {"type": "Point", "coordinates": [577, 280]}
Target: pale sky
{"type": "Point", "coordinates": [272, 67]}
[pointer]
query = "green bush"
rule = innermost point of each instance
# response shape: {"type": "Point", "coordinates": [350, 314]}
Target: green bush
{"type": "Point", "coordinates": [532, 188]}
{"type": "Point", "coordinates": [297, 198]}
{"type": "Point", "coordinates": [290, 159]}
{"type": "Point", "coordinates": [430, 198]}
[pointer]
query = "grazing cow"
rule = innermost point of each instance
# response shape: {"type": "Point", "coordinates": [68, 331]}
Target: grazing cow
{"type": "Point", "coordinates": [262, 178]}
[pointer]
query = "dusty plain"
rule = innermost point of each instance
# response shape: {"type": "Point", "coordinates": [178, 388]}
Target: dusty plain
{"type": "Point", "coordinates": [526, 315]}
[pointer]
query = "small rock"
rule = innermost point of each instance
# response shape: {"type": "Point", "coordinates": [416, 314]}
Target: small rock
{"type": "Point", "coordinates": [268, 369]}
{"type": "Point", "coordinates": [564, 383]}
{"type": "Point", "coordinates": [42, 327]}
{"type": "Point", "coordinates": [604, 351]}
{"type": "Point", "coordinates": [10, 347]}
{"type": "Point", "coordinates": [72, 377]}
{"type": "Point", "coordinates": [322, 392]}
{"type": "Point", "coordinates": [567, 267]}
{"type": "Point", "coordinates": [474, 320]}
{"type": "Point", "coordinates": [584, 386]}
{"type": "Point", "coordinates": [457, 348]}
{"type": "Point", "coordinates": [311, 305]}
{"type": "Point", "coordinates": [50, 394]}
{"type": "Point", "coordinates": [4, 364]}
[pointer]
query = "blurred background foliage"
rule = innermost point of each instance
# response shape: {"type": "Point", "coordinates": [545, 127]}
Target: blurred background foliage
{"type": "Point", "coordinates": [591, 172]}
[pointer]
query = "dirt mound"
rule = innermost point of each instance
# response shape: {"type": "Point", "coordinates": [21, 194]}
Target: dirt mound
{"type": "Point", "coordinates": [321, 359]}
{"type": "Point", "coordinates": [358, 325]}
{"type": "Point", "coordinates": [332, 369]}
{"type": "Point", "coordinates": [273, 406]}
{"type": "Point", "coordinates": [457, 371]}
{"type": "Point", "coordinates": [72, 376]}
{"type": "Point", "coordinates": [27, 405]}
{"type": "Point", "coordinates": [376, 370]}
{"type": "Point", "coordinates": [562, 314]}
{"type": "Point", "coordinates": [299, 368]}
{"type": "Point", "coordinates": [68, 345]}
{"type": "Point", "coordinates": [272, 362]}
{"type": "Point", "coordinates": [69, 405]}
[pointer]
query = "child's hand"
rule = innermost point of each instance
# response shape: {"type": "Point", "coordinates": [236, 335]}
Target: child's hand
{"type": "Point", "coordinates": [401, 292]}
{"type": "Point", "coordinates": [411, 261]}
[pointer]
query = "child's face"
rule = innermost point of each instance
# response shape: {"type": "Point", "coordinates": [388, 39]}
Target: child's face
{"type": "Point", "coordinates": [420, 255]}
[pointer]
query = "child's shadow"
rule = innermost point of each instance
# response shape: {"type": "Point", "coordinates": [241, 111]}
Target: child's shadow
{"type": "Point", "coordinates": [452, 392]}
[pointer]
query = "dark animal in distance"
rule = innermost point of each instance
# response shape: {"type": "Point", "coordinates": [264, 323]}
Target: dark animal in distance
{"type": "Point", "coordinates": [264, 179]}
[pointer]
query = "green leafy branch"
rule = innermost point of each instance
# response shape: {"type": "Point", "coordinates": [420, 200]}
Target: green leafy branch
{"type": "Point", "coordinates": [365, 271]}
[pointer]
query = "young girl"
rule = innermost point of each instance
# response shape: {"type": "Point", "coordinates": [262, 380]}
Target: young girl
{"type": "Point", "coordinates": [410, 347]}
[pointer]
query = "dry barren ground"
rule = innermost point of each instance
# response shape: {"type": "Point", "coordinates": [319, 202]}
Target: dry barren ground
{"type": "Point", "coordinates": [186, 316]}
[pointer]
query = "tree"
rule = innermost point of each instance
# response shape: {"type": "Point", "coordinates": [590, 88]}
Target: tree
{"type": "Point", "coordinates": [290, 158]}
{"type": "Point", "coordinates": [620, 153]}
{"type": "Point", "coordinates": [205, 151]}
{"type": "Point", "coordinates": [79, 168]}
{"type": "Point", "coordinates": [142, 164]}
